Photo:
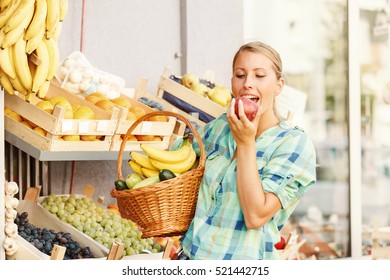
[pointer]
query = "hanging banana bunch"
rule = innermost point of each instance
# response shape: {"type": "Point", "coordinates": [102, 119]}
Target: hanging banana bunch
{"type": "Point", "coordinates": [29, 53]}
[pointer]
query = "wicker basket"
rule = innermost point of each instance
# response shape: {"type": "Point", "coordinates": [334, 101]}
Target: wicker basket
{"type": "Point", "coordinates": [166, 208]}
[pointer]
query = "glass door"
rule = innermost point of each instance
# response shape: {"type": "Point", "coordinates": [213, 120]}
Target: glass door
{"type": "Point", "coordinates": [311, 37]}
{"type": "Point", "coordinates": [374, 60]}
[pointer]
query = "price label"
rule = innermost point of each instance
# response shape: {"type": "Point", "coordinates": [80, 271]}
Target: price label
{"type": "Point", "coordinates": [102, 125]}
{"type": "Point", "coordinates": [146, 127]}
{"type": "Point", "coordinates": [67, 125]}
{"type": "Point", "coordinates": [84, 127]}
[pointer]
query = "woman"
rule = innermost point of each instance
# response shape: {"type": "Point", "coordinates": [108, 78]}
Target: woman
{"type": "Point", "coordinates": [256, 171]}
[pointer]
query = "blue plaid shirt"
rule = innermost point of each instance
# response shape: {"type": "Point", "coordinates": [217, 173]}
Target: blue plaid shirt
{"type": "Point", "coordinates": [287, 167]}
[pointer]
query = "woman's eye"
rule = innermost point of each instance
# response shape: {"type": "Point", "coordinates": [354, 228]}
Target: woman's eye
{"type": "Point", "coordinates": [260, 76]}
{"type": "Point", "coordinates": [240, 76]}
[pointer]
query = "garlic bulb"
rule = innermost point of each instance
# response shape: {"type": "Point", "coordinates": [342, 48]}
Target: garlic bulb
{"type": "Point", "coordinates": [75, 76]}
{"type": "Point", "coordinates": [11, 188]}
{"type": "Point", "coordinates": [11, 229]}
{"type": "Point", "coordinates": [10, 215]}
{"type": "Point", "coordinates": [10, 246]}
{"type": "Point", "coordinates": [11, 202]}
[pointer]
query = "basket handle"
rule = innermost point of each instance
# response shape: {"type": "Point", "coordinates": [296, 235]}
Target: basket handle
{"type": "Point", "coordinates": [146, 117]}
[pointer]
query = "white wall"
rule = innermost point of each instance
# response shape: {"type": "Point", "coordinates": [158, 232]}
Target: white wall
{"type": "Point", "coordinates": [133, 38]}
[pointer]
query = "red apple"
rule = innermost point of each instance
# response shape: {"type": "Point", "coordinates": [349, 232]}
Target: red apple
{"type": "Point", "coordinates": [281, 244]}
{"type": "Point", "coordinates": [250, 108]}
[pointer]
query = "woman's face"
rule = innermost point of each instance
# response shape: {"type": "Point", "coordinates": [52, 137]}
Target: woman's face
{"type": "Point", "coordinates": [255, 78]}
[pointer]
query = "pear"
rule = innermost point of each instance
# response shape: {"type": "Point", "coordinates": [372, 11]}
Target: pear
{"type": "Point", "coordinates": [188, 80]}
{"type": "Point", "coordinates": [200, 88]}
{"type": "Point", "coordinates": [220, 95]}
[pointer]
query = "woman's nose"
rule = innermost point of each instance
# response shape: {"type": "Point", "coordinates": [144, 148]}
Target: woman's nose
{"type": "Point", "coordinates": [248, 82]}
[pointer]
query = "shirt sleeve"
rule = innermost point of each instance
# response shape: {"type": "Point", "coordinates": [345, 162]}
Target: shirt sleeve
{"type": "Point", "coordinates": [291, 169]}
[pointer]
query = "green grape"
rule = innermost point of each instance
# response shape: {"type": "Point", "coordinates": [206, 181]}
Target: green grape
{"type": "Point", "coordinates": [70, 218]}
{"type": "Point", "coordinates": [80, 227]}
{"type": "Point", "coordinates": [157, 247]}
{"type": "Point", "coordinates": [53, 209]}
{"type": "Point", "coordinates": [130, 251]}
{"type": "Point", "coordinates": [72, 201]}
{"type": "Point", "coordinates": [103, 222]}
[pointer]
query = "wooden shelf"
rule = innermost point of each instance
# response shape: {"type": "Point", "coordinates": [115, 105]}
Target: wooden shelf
{"type": "Point", "coordinates": [60, 155]}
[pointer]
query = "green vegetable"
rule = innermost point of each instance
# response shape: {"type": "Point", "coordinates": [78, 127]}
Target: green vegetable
{"type": "Point", "coordinates": [132, 179]}
{"type": "Point", "coordinates": [120, 185]}
{"type": "Point", "coordinates": [166, 174]}
{"type": "Point", "coordinates": [147, 182]}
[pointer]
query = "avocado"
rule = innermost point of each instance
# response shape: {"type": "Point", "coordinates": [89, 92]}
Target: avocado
{"type": "Point", "coordinates": [166, 174]}
{"type": "Point", "coordinates": [120, 185]}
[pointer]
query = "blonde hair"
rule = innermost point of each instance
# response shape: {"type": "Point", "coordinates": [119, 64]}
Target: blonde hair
{"type": "Point", "coordinates": [272, 54]}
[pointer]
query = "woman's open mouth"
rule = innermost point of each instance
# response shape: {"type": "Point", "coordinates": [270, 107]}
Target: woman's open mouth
{"type": "Point", "coordinates": [252, 97]}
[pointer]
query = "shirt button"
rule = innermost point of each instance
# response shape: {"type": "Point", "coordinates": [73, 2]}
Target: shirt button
{"type": "Point", "coordinates": [212, 197]}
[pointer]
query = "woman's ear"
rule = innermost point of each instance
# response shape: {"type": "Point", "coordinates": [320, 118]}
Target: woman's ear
{"type": "Point", "coordinates": [279, 86]}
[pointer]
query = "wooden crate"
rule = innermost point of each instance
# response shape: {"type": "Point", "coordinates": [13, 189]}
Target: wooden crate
{"type": "Point", "coordinates": [165, 130]}
{"type": "Point", "coordinates": [168, 88]}
{"type": "Point", "coordinates": [56, 125]}
{"type": "Point", "coordinates": [140, 92]}
{"type": "Point", "coordinates": [40, 217]}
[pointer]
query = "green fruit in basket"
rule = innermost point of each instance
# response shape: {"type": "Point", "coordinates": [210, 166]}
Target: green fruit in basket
{"type": "Point", "coordinates": [120, 185]}
{"type": "Point", "coordinates": [132, 179]}
{"type": "Point", "coordinates": [166, 174]}
{"type": "Point", "coordinates": [147, 182]}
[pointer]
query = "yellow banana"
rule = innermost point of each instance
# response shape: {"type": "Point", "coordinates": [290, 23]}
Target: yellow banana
{"type": "Point", "coordinates": [176, 167]}
{"type": "Point", "coordinates": [136, 167]}
{"type": "Point", "coordinates": [43, 89]}
{"type": "Point", "coordinates": [142, 160]}
{"type": "Point", "coordinates": [52, 17]}
{"type": "Point", "coordinates": [33, 42]}
{"type": "Point", "coordinates": [6, 83]}
{"type": "Point", "coordinates": [21, 63]}
{"type": "Point", "coordinates": [4, 4]}
{"type": "Point", "coordinates": [38, 20]}
{"type": "Point", "coordinates": [167, 156]}
{"type": "Point", "coordinates": [54, 56]}
{"type": "Point", "coordinates": [63, 9]}
{"type": "Point", "coordinates": [42, 68]}
{"type": "Point", "coordinates": [8, 11]}
{"type": "Point", "coordinates": [149, 172]}
{"type": "Point", "coordinates": [57, 31]}
{"type": "Point", "coordinates": [12, 36]}
{"type": "Point", "coordinates": [17, 85]}
{"type": "Point", "coordinates": [24, 8]}
{"type": "Point", "coordinates": [2, 35]}
{"type": "Point", "coordinates": [6, 62]}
